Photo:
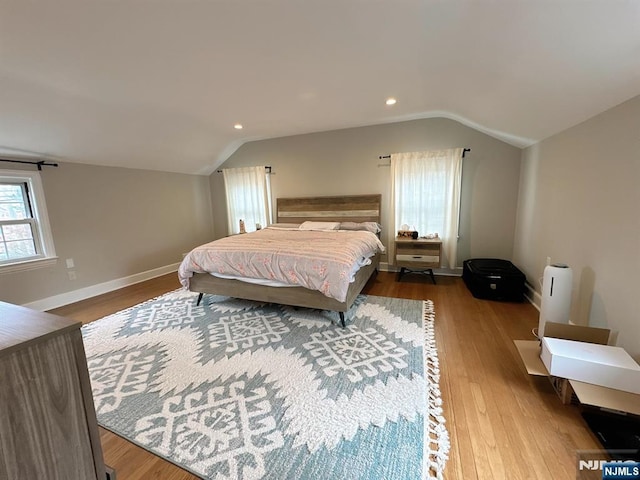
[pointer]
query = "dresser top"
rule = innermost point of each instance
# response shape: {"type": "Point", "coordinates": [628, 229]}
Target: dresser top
{"type": "Point", "coordinates": [21, 325]}
{"type": "Point", "coordinates": [418, 240]}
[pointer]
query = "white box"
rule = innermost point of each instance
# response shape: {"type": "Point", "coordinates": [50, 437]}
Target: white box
{"type": "Point", "coordinates": [603, 365]}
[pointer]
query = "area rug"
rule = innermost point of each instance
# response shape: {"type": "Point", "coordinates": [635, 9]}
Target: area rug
{"type": "Point", "coordinates": [234, 389]}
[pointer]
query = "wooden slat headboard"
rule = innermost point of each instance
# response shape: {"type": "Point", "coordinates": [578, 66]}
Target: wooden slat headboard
{"type": "Point", "coordinates": [349, 208]}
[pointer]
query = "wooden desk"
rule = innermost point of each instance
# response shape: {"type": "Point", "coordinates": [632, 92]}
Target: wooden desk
{"type": "Point", "coordinates": [418, 256]}
{"type": "Point", "coordinates": [48, 426]}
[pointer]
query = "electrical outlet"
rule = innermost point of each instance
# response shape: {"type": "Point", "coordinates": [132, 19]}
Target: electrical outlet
{"type": "Point", "coordinates": [70, 263]}
{"type": "Point", "coordinates": [548, 261]}
{"type": "Point", "coordinates": [72, 274]}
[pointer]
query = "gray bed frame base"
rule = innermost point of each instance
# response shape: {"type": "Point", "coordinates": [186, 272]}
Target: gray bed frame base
{"type": "Point", "coordinates": [292, 296]}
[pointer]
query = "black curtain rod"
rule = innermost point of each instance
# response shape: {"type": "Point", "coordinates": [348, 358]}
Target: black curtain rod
{"type": "Point", "coordinates": [464, 150]}
{"type": "Point", "coordinates": [39, 164]}
{"type": "Point", "coordinates": [267, 168]}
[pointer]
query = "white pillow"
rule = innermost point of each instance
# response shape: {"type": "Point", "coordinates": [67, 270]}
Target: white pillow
{"type": "Point", "coordinates": [284, 226]}
{"type": "Point", "coordinates": [322, 226]}
{"type": "Point", "coordinates": [372, 227]}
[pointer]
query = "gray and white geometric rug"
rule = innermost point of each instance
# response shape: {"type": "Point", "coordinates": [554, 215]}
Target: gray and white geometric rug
{"type": "Point", "coordinates": [234, 389]}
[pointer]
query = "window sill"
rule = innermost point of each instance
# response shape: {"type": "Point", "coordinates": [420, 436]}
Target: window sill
{"type": "Point", "coordinates": [28, 265]}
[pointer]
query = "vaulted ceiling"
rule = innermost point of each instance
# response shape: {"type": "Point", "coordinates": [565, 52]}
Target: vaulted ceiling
{"type": "Point", "coordinates": [160, 84]}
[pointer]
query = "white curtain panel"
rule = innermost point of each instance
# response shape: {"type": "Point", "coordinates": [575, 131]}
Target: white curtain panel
{"type": "Point", "coordinates": [425, 195]}
{"type": "Point", "coordinates": [247, 191]}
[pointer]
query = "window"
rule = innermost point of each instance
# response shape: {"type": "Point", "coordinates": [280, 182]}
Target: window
{"type": "Point", "coordinates": [25, 237]}
{"type": "Point", "coordinates": [248, 197]}
{"type": "Point", "coordinates": [426, 196]}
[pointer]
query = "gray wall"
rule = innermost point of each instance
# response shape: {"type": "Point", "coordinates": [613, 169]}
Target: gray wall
{"type": "Point", "coordinates": [345, 162]}
{"type": "Point", "coordinates": [579, 200]}
{"type": "Point", "coordinates": [114, 222]}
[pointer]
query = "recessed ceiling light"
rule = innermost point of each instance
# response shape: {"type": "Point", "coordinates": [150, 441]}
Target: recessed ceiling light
{"type": "Point", "coordinates": [238, 126]}
{"type": "Point", "coordinates": [391, 101]}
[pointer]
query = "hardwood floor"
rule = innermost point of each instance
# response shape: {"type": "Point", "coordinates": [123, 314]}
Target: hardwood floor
{"type": "Point", "coordinates": [502, 422]}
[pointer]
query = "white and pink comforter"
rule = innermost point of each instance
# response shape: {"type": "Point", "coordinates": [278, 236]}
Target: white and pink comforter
{"type": "Point", "coordinates": [318, 260]}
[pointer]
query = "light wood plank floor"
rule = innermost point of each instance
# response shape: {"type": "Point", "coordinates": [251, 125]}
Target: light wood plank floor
{"type": "Point", "coordinates": [503, 423]}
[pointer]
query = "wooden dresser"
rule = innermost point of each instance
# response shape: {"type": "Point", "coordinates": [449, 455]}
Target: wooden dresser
{"type": "Point", "coordinates": [48, 426]}
{"type": "Point", "coordinates": [418, 256]}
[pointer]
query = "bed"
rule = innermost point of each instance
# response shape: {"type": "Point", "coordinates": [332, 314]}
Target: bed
{"type": "Point", "coordinates": [348, 210]}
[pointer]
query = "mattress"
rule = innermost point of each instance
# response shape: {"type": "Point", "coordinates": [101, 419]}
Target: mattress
{"type": "Point", "coordinates": [325, 261]}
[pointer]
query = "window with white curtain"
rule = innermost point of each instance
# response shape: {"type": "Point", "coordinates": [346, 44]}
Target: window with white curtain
{"type": "Point", "coordinates": [25, 235]}
{"type": "Point", "coordinates": [248, 194]}
{"type": "Point", "coordinates": [426, 197]}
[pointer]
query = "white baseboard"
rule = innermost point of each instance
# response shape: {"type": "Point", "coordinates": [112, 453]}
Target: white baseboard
{"type": "Point", "coordinates": [93, 290]}
{"type": "Point", "coordinates": [449, 273]}
{"type": "Point", "coordinates": [534, 297]}
{"type": "Point", "coordinates": [384, 267]}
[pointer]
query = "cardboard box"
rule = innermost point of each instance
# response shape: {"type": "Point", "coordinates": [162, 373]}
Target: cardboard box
{"type": "Point", "coordinates": [602, 365]}
{"type": "Point", "coordinates": [586, 393]}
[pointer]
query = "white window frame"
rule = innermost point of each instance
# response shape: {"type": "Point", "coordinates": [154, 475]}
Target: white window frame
{"type": "Point", "coordinates": [40, 223]}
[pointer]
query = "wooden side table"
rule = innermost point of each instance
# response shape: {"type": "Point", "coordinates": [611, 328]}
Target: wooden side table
{"type": "Point", "coordinates": [418, 256]}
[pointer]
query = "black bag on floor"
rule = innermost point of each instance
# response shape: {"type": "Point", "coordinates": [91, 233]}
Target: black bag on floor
{"type": "Point", "coordinates": [494, 279]}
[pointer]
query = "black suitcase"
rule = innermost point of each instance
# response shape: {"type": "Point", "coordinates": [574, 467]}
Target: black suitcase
{"type": "Point", "coordinates": [493, 279]}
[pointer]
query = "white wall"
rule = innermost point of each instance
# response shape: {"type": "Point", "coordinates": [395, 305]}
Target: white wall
{"type": "Point", "coordinates": [345, 162]}
{"type": "Point", "coordinates": [579, 204]}
{"type": "Point", "coordinates": [115, 223]}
